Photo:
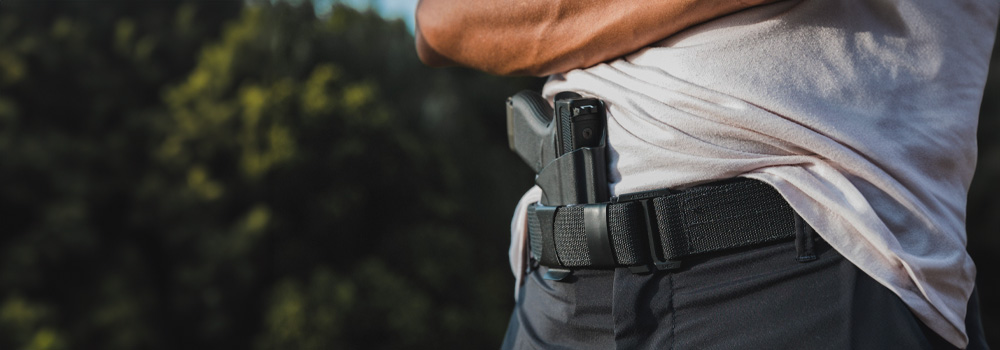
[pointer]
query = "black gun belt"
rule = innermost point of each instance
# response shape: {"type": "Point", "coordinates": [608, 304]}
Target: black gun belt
{"type": "Point", "coordinates": [650, 231]}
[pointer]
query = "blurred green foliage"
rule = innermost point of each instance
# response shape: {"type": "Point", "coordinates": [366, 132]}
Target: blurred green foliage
{"type": "Point", "coordinates": [214, 175]}
{"type": "Point", "coordinates": [231, 176]}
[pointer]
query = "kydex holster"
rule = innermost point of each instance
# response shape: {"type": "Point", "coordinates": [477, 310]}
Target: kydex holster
{"type": "Point", "coordinates": [567, 150]}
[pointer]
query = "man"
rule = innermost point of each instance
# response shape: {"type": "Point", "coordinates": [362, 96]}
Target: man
{"type": "Point", "coordinates": [861, 115]}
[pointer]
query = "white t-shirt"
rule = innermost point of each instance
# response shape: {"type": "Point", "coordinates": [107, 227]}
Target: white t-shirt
{"type": "Point", "coordinates": [862, 114]}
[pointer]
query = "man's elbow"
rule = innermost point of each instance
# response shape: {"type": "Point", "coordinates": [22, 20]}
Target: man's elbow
{"type": "Point", "coordinates": [433, 29]}
{"type": "Point", "coordinates": [486, 58]}
{"type": "Point", "coordinates": [443, 40]}
{"type": "Point", "coordinates": [428, 55]}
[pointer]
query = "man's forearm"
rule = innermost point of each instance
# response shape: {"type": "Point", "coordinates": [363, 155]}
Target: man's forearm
{"type": "Point", "coordinates": [540, 37]}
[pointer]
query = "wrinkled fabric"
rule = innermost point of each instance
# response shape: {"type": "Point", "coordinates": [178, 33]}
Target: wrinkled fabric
{"type": "Point", "coordinates": [862, 115]}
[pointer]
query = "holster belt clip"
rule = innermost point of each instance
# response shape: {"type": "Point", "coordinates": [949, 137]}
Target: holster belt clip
{"type": "Point", "coordinates": [599, 242]}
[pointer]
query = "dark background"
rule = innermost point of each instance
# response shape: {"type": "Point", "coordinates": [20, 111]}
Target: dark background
{"type": "Point", "coordinates": [217, 175]}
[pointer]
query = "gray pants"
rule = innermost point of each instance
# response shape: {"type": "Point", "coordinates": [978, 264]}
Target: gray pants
{"type": "Point", "coordinates": [757, 298]}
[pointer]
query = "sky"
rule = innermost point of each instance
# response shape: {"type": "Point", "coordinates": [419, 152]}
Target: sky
{"type": "Point", "coordinates": [387, 8]}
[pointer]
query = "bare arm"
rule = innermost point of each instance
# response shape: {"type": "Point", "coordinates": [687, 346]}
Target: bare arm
{"type": "Point", "coordinates": [540, 37]}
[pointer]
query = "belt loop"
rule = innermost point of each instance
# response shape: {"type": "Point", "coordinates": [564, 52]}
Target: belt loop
{"type": "Point", "coordinates": [546, 216]}
{"type": "Point", "coordinates": [805, 239]}
{"type": "Point", "coordinates": [654, 243]}
{"type": "Point", "coordinates": [549, 258]}
{"type": "Point", "coordinates": [595, 223]}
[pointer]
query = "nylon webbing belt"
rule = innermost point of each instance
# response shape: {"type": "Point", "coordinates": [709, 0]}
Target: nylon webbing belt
{"type": "Point", "coordinates": [649, 231]}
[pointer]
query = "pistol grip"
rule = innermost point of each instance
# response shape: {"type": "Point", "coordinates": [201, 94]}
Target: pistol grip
{"type": "Point", "coordinates": [529, 129]}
